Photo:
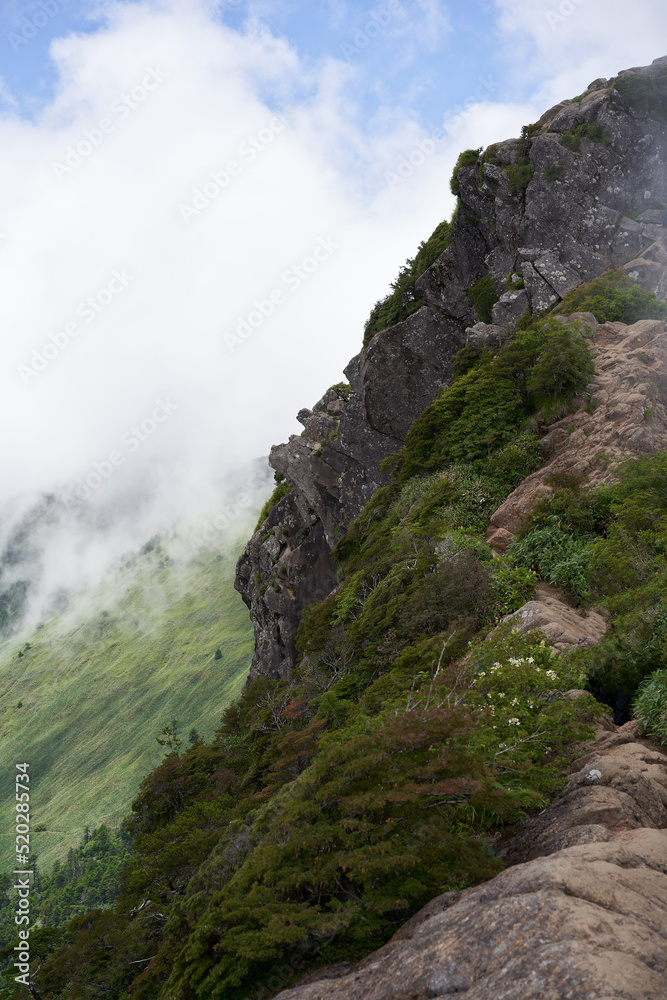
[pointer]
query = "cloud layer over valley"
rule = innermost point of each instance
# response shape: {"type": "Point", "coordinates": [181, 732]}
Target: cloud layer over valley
{"type": "Point", "coordinates": [195, 228]}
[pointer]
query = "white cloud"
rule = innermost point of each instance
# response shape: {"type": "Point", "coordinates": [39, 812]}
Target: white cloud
{"type": "Point", "coordinates": [119, 302]}
{"type": "Point", "coordinates": [144, 154]}
{"type": "Point", "coordinates": [561, 46]}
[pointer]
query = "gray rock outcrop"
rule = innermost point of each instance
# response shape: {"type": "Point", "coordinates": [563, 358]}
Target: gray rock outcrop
{"type": "Point", "coordinates": [564, 203]}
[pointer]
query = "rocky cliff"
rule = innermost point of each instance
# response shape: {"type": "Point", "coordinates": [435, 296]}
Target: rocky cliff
{"type": "Point", "coordinates": [580, 192]}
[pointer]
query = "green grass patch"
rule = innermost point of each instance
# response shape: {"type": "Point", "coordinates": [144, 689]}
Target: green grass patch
{"type": "Point", "coordinates": [98, 683]}
{"type": "Point", "coordinates": [613, 297]}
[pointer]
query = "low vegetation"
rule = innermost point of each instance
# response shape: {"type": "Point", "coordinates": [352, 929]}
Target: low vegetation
{"type": "Point", "coordinates": [613, 297]}
{"type": "Point", "coordinates": [305, 832]}
{"type": "Point", "coordinates": [404, 299]}
{"type": "Point", "coordinates": [607, 546]}
{"type": "Point", "coordinates": [329, 806]}
{"type": "Point", "coordinates": [281, 490]}
{"type": "Point", "coordinates": [646, 94]}
{"type": "Point", "coordinates": [594, 133]}
{"type": "Point", "coordinates": [99, 681]}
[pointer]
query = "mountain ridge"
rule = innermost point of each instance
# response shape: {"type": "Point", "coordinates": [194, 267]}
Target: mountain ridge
{"type": "Point", "coordinates": [549, 211]}
{"type": "Point", "coordinates": [400, 715]}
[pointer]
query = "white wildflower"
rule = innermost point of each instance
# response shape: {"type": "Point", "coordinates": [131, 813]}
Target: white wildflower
{"type": "Point", "coordinates": [514, 722]}
{"type": "Point", "coordinates": [552, 675]}
{"type": "Point", "coordinates": [514, 701]}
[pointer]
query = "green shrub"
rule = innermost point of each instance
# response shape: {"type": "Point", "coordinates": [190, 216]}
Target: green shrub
{"type": "Point", "coordinates": [483, 409]}
{"type": "Point", "coordinates": [281, 490]}
{"type": "Point", "coordinates": [513, 586]}
{"type": "Point", "coordinates": [514, 283]}
{"type": "Point", "coordinates": [468, 158]}
{"type": "Point", "coordinates": [483, 296]}
{"type": "Point", "coordinates": [518, 459]}
{"type": "Point", "coordinates": [404, 300]}
{"type": "Point", "coordinates": [556, 555]}
{"type": "Point", "coordinates": [343, 390]}
{"type": "Point", "coordinates": [594, 133]}
{"type": "Point", "coordinates": [613, 297]}
{"type": "Point", "coordinates": [632, 650]}
{"type": "Point", "coordinates": [582, 513]}
{"type": "Point", "coordinates": [563, 367]}
{"type": "Point", "coordinates": [647, 94]}
{"type": "Point", "coordinates": [555, 171]}
{"type": "Point", "coordinates": [650, 705]}
{"type": "Point", "coordinates": [519, 175]}
{"type": "Point", "coordinates": [525, 737]}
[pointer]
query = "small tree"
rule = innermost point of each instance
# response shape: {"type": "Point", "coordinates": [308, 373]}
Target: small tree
{"type": "Point", "coordinates": [564, 366]}
{"type": "Point", "coordinates": [171, 739]}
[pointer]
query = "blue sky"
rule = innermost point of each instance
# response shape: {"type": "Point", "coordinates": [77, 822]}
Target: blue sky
{"type": "Point", "coordinates": [410, 58]}
{"type": "Point", "coordinates": [203, 151]}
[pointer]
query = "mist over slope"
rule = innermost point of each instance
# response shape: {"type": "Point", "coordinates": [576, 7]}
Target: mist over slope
{"type": "Point", "coordinates": [84, 695]}
{"type": "Point", "coordinates": [52, 544]}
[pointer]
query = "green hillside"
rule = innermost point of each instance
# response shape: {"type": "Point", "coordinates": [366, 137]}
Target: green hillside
{"type": "Point", "coordinates": [96, 685]}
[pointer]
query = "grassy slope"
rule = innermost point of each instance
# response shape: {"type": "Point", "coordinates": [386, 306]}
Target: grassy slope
{"type": "Point", "coordinates": [101, 681]}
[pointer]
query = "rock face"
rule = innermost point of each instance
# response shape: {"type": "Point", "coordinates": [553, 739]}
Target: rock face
{"type": "Point", "coordinates": [623, 414]}
{"type": "Point", "coordinates": [583, 915]}
{"type": "Point", "coordinates": [564, 627]}
{"type": "Point", "coordinates": [553, 211]}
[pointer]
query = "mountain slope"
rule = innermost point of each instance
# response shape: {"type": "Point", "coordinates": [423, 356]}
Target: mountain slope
{"type": "Point", "coordinates": [580, 192]}
{"type": "Point", "coordinates": [395, 722]}
{"type": "Point", "coordinates": [100, 681]}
